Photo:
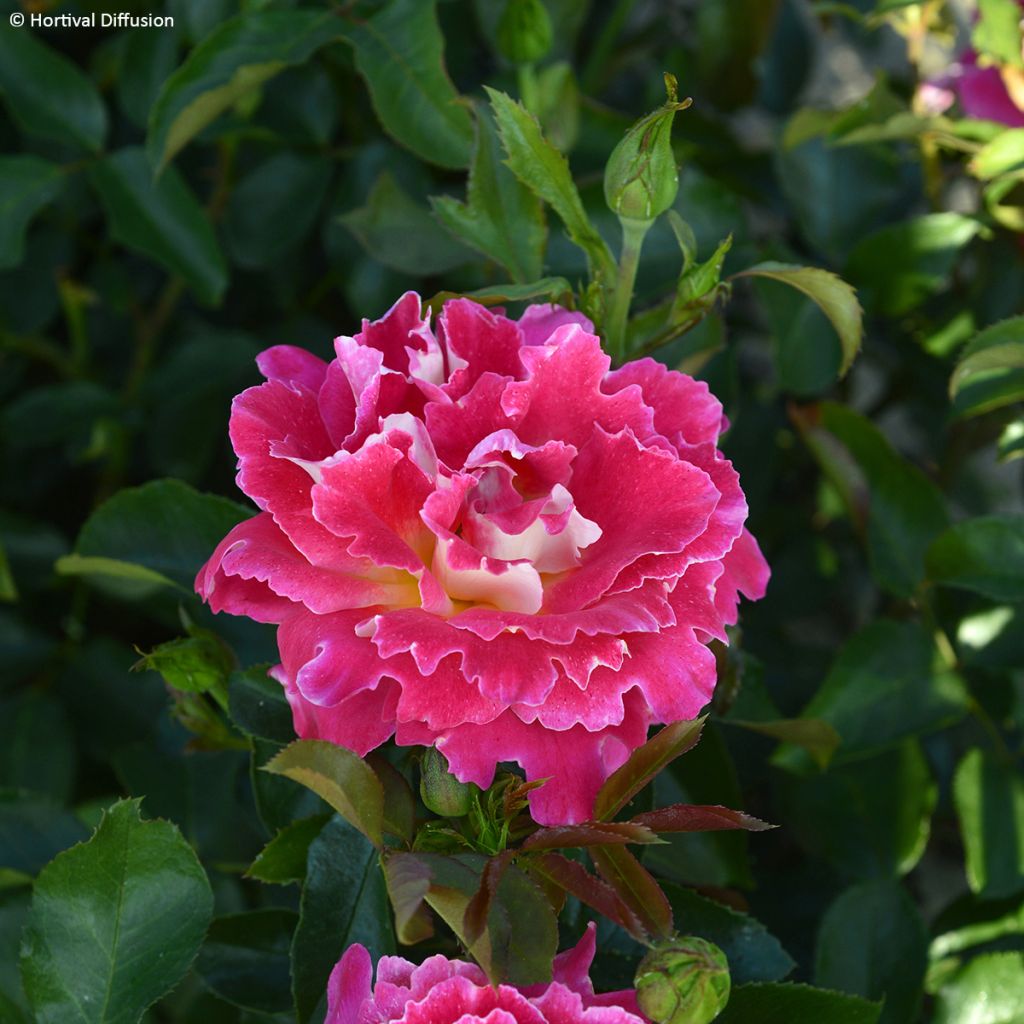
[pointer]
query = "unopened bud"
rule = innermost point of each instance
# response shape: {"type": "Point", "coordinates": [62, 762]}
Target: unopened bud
{"type": "Point", "coordinates": [641, 178]}
{"type": "Point", "coordinates": [440, 790]}
{"type": "Point", "coordinates": [683, 981]}
{"type": "Point", "coordinates": [524, 31]}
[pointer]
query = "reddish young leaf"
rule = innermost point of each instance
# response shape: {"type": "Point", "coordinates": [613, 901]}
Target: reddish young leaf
{"type": "Point", "coordinates": [698, 818]}
{"type": "Point", "coordinates": [636, 888]}
{"type": "Point", "coordinates": [474, 921]}
{"type": "Point", "coordinates": [590, 833]}
{"type": "Point", "coordinates": [575, 879]}
{"type": "Point", "coordinates": [644, 763]}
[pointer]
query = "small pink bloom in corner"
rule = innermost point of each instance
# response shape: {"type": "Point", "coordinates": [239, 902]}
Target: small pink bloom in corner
{"type": "Point", "coordinates": [443, 991]}
{"type": "Point", "coordinates": [476, 536]}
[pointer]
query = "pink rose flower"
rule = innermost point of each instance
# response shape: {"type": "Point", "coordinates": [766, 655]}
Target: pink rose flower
{"type": "Point", "coordinates": [482, 539]}
{"type": "Point", "coordinates": [443, 991]}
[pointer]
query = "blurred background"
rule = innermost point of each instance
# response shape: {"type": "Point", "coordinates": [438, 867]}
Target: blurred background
{"type": "Point", "coordinates": [173, 199]}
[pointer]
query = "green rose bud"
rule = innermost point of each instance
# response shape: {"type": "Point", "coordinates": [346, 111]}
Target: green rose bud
{"type": "Point", "coordinates": [641, 178]}
{"type": "Point", "coordinates": [524, 32]}
{"type": "Point", "coordinates": [683, 981]}
{"type": "Point", "coordinates": [440, 790]}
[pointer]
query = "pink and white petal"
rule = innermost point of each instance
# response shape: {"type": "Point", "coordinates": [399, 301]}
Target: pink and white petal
{"type": "Point", "coordinates": [457, 427]}
{"type": "Point", "coordinates": [541, 320]}
{"type": "Point", "coordinates": [292, 365]}
{"type": "Point", "coordinates": [684, 409]}
{"type": "Point", "coordinates": [745, 572]}
{"type": "Point", "coordinates": [485, 341]}
{"type": "Point", "coordinates": [348, 987]}
{"type": "Point", "coordinates": [398, 328]}
{"type": "Point", "coordinates": [441, 700]}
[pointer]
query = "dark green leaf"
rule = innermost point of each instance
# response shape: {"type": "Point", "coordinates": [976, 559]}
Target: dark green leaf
{"type": "Point", "coordinates": [245, 959]}
{"type": "Point", "coordinates": [236, 58]}
{"type": "Point", "coordinates": [552, 289]}
{"type": "Point", "coordinates": [401, 233]}
{"type": "Point", "coordinates": [33, 830]}
{"type": "Point", "coordinates": [643, 765]}
{"type": "Point", "coordinates": [198, 663]}
{"type": "Point", "coordinates": [400, 53]}
{"type": "Point", "coordinates": [814, 735]}
{"type": "Point", "coordinates": [898, 267]}
{"type": "Point", "coordinates": [162, 220]}
{"type": "Point", "coordinates": [985, 555]}
{"type": "Point", "coordinates": [27, 184]}
{"type": "Point", "coordinates": [990, 373]}
{"type": "Point", "coordinates": [164, 527]}
{"type": "Point", "coordinates": [342, 778]}
{"type": "Point", "coordinates": [408, 878]}
{"type": "Point", "coordinates": [257, 705]}
{"type": "Point", "coordinates": [47, 95]}
{"type": "Point", "coordinates": [37, 746]}
{"type": "Point", "coordinates": [754, 954]}
{"type": "Point", "coordinates": [888, 683]}
{"type": "Point", "coordinates": [264, 221]}
{"type": "Point", "coordinates": [283, 859]}
{"type": "Point", "coordinates": [836, 299]}
{"type": "Point", "coordinates": [343, 901]}
{"type": "Point", "coordinates": [989, 798]}
{"type": "Point", "coordinates": [539, 166]}
{"type": "Point", "coordinates": [115, 922]}
{"type": "Point", "coordinates": [500, 218]}
{"type": "Point", "coordinates": [522, 931]}
{"type": "Point", "coordinates": [148, 58]}
{"type": "Point", "coordinates": [795, 1004]}
{"type": "Point", "coordinates": [873, 943]}
{"type": "Point", "coordinates": [279, 800]}
{"type": "Point", "coordinates": [399, 803]}
{"type": "Point", "coordinates": [986, 991]}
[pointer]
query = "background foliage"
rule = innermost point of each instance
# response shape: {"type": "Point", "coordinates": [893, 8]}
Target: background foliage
{"type": "Point", "coordinates": [174, 200]}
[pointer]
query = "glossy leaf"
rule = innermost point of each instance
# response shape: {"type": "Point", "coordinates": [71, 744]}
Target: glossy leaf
{"type": "Point", "coordinates": [343, 901]}
{"type": "Point", "coordinates": [788, 1003]}
{"type": "Point", "coordinates": [236, 58]}
{"type": "Point", "coordinates": [987, 990]}
{"type": "Point", "coordinates": [754, 954]}
{"type": "Point", "coordinates": [244, 959]}
{"type": "Point", "coordinates": [989, 799]}
{"type": "Point", "coordinates": [114, 922]}
{"type": "Point", "coordinates": [162, 220]}
{"type": "Point", "coordinates": [985, 555]}
{"type": "Point", "coordinates": [257, 705]}
{"type": "Point", "coordinates": [340, 777]}
{"type": "Point", "coordinates": [399, 818]}
{"type": "Point", "coordinates": [47, 95]}
{"type": "Point", "coordinates": [636, 887]}
{"type": "Point", "coordinates": [283, 859]}
{"type": "Point", "coordinates": [408, 882]}
{"type": "Point", "coordinates": [539, 166]}
{"type": "Point", "coordinates": [402, 233]}
{"type": "Point", "coordinates": [990, 373]}
{"type": "Point", "coordinates": [522, 930]}
{"type": "Point", "coordinates": [501, 218]}
{"type": "Point", "coordinates": [400, 52]}
{"type": "Point", "coordinates": [27, 185]}
{"type": "Point", "coordinates": [836, 299]}
{"type": "Point", "coordinates": [698, 818]}
{"type": "Point", "coordinates": [873, 943]}
{"type": "Point", "coordinates": [643, 764]}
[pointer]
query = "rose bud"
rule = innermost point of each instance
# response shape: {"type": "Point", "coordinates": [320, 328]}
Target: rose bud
{"type": "Point", "coordinates": [641, 178]}
{"type": "Point", "coordinates": [524, 31]}
{"type": "Point", "coordinates": [683, 981]}
{"type": "Point", "coordinates": [440, 790]}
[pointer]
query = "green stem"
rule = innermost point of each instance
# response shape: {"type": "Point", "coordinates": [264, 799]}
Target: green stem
{"type": "Point", "coordinates": [601, 52]}
{"type": "Point", "coordinates": [528, 87]}
{"type": "Point", "coordinates": [633, 233]}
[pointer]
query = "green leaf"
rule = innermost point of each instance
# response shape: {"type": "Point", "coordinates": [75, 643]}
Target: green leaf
{"type": "Point", "coordinates": [897, 267]}
{"type": "Point", "coordinates": [888, 683]}
{"type": "Point", "coordinates": [833, 296]}
{"type": "Point", "coordinates": [873, 943]}
{"type": "Point", "coordinates": [817, 737]}
{"type": "Point", "coordinates": [343, 901]}
{"type": "Point", "coordinates": [795, 1004]}
{"type": "Point", "coordinates": [408, 878]}
{"type": "Point", "coordinates": [1004, 153]}
{"type": "Point", "coordinates": [989, 798]}
{"type": "Point", "coordinates": [986, 991]}
{"type": "Point", "coordinates": [522, 930]}
{"type": "Point", "coordinates": [400, 53]}
{"type": "Point", "coordinates": [643, 765]}
{"type": "Point", "coordinates": [46, 93]}
{"type": "Point", "coordinates": [899, 508]}
{"type": "Point", "coordinates": [340, 777]}
{"type": "Point", "coordinates": [126, 578]}
{"type": "Point", "coordinates": [245, 959]}
{"type": "Point", "coordinates": [554, 289]}
{"type": "Point", "coordinates": [990, 373]}
{"type": "Point", "coordinates": [399, 803]}
{"type": "Point", "coordinates": [401, 233]}
{"type": "Point", "coordinates": [33, 830]}
{"type": "Point", "coordinates": [283, 859]}
{"type": "Point", "coordinates": [164, 527]}
{"type": "Point", "coordinates": [27, 184]}
{"type": "Point", "coordinates": [236, 58]}
{"type": "Point", "coordinates": [258, 706]}
{"type": "Point", "coordinates": [263, 220]}
{"type": "Point", "coordinates": [1011, 441]}
{"type": "Point", "coordinates": [37, 745]}
{"type": "Point", "coordinates": [114, 922]}
{"type": "Point", "coordinates": [997, 33]}
{"type": "Point", "coordinates": [636, 887]}
{"type": "Point", "coordinates": [279, 800]}
{"type": "Point", "coordinates": [500, 218]}
{"type": "Point", "coordinates": [162, 220]}
{"type": "Point", "coordinates": [985, 554]}
{"type": "Point", "coordinates": [754, 954]}
{"type": "Point", "coordinates": [198, 663]}
{"type": "Point", "coordinates": [539, 166]}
